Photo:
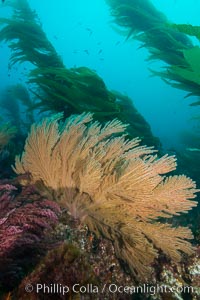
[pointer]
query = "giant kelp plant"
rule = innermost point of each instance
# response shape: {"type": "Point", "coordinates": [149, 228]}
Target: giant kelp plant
{"type": "Point", "coordinates": [7, 132]}
{"type": "Point", "coordinates": [169, 43]}
{"type": "Point", "coordinates": [112, 185]}
{"type": "Point", "coordinates": [57, 88]}
{"type": "Point", "coordinates": [17, 104]}
{"type": "Point", "coordinates": [165, 41]}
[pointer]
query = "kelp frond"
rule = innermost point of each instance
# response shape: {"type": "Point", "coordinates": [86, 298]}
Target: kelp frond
{"type": "Point", "coordinates": [185, 77]}
{"type": "Point", "coordinates": [188, 29]}
{"type": "Point", "coordinates": [27, 41]}
{"type": "Point", "coordinates": [78, 89]}
{"type": "Point", "coordinates": [165, 41]}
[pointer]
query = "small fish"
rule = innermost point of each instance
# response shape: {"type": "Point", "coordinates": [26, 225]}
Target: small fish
{"type": "Point", "coordinates": [193, 149]}
{"type": "Point", "coordinates": [100, 51]}
{"type": "Point", "coordinates": [86, 51]}
{"type": "Point", "coordinates": [89, 30]}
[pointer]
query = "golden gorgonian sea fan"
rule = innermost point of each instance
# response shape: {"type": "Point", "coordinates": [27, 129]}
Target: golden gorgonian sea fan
{"type": "Point", "coordinates": [114, 186]}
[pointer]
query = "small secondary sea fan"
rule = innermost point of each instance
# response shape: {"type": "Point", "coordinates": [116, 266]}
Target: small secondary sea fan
{"type": "Point", "coordinates": [6, 133]}
{"type": "Point", "coordinates": [112, 185]}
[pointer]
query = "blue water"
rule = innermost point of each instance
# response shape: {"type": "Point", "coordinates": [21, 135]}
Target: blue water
{"type": "Point", "coordinates": [83, 34]}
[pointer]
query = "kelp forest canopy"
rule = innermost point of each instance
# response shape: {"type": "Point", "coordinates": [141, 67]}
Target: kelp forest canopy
{"type": "Point", "coordinates": [55, 88]}
{"type": "Point", "coordinates": [74, 90]}
{"type": "Point", "coordinates": [59, 89]}
{"type": "Point", "coordinates": [165, 41]}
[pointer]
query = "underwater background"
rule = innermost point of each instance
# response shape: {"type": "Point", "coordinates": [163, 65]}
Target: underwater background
{"type": "Point", "coordinates": [83, 35]}
{"type": "Point", "coordinates": [128, 60]}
